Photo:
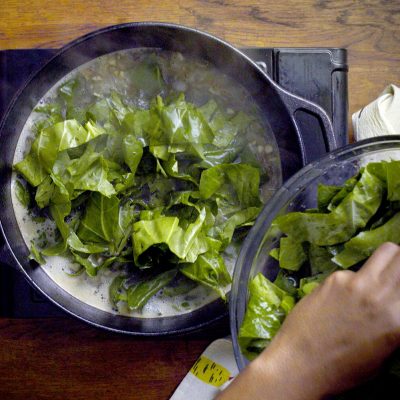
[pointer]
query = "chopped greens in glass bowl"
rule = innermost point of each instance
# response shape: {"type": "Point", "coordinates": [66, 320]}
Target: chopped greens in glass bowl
{"type": "Point", "coordinates": [330, 215]}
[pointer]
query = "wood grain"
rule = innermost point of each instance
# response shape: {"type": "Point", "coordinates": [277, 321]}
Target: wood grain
{"type": "Point", "coordinates": [369, 29]}
{"type": "Point", "coordinates": [63, 358]}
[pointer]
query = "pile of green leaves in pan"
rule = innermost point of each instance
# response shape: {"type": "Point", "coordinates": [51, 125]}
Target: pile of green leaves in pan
{"type": "Point", "coordinates": [154, 193]}
{"type": "Point", "coordinates": [349, 223]}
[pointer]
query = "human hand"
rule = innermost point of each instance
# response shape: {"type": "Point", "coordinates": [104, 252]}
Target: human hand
{"type": "Point", "coordinates": [334, 338]}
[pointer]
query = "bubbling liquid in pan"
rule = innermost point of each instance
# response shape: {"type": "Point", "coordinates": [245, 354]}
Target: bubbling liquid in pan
{"type": "Point", "coordinates": [199, 82]}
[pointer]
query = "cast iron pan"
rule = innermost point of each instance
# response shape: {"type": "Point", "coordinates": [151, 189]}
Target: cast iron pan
{"type": "Point", "coordinates": [278, 108]}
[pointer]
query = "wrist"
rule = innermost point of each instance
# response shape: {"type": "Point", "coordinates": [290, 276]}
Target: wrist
{"type": "Point", "coordinates": [281, 374]}
{"type": "Point", "coordinates": [273, 376]}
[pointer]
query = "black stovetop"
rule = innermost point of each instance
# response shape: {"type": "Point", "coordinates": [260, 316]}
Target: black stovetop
{"type": "Point", "coordinates": [317, 74]}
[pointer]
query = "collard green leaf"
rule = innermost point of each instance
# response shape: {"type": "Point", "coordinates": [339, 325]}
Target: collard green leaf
{"type": "Point", "coordinates": [393, 182]}
{"type": "Point", "coordinates": [31, 169]}
{"type": "Point", "coordinates": [90, 172]}
{"type": "Point", "coordinates": [117, 106]}
{"type": "Point", "coordinates": [264, 315]}
{"type": "Point", "coordinates": [363, 245]}
{"type": "Point", "coordinates": [36, 255]}
{"type": "Point", "coordinates": [147, 78]}
{"type": "Point", "coordinates": [237, 182]}
{"type": "Point", "coordinates": [140, 293]}
{"type": "Point", "coordinates": [310, 283]}
{"type": "Point", "coordinates": [183, 124]}
{"type": "Point", "coordinates": [123, 230]}
{"type": "Point", "coordinates": [209, 269]}
{"type": "Point", "coordinates": [226, 129]}
{"type": "Point", "coordinates": [89, 267]}
{"type": "Point", "coordinates": [100, 219]}
{"type": "Point", "coordinates": [99, 112]}
{"type": "Point", "coordinates": [44, 192]}
{"type": "Point", "coordinates": [186, 244]}
{"type": "Point", "coordinates": [225, 126]}
{"type": "Point", "coordinates": [274, 253]}
{"type": "Point", "coordinates": [172, 168]}
{"type": "Point", "coordinates": [22, 193]}
{"type": "Point", "coordinates": [142, 124]}
{"type": "Point", "coordinates": [106, 222]}
{"type": "Point", "coordinates": [182, 285]}
{"type": "Point", "coordinates": [325, 195]}
{"type": "Point", "coordinates": [342, 223]}
{"type": "Point", "coordinates": [116, 292]}
{"type": "Point", "coordinates": [58, 213]}
{"type": "Point", "coordinates": [76, 244]}
{"type": "Point", "coordinates": [69, 239]}
{"type": "Point", "coordinates": [291, 254]}
{"type": "Point", "coordinates": [213, 155]}
{"type": "Point", "coordinates": [53, 114]}
{"type": "Point", "coordinates": [342, 193]}
{"type": "Point", "coordinates": [45, 148]}
{"type": "Point", "coordinates": [61, 136]}
{"type": "Point", "coordinates": [68, 92]}
{"type": "Point", "coordinates": [286, 282]}
{"type": "Point", "coordinates": [243, 217]}
{"type": "Point", "coordinates": [133, 151]}
{"type": "Point", "coordinates": [320, 260]}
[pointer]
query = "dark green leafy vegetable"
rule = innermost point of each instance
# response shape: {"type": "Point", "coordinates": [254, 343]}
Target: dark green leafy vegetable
{"type": "Point", "coordinates": [308, 284]}
{"type": "Point", "coordinates": [363, 245]}
{"type": "Point", "coordinates": [115, 290]}
{"type": "Point", "coordinates": [52, 140]}
{"type": "Point", "coordinates": [22, 194]}
{"type": "Point", "coordinates": [36, 255]}
{"type": "Point", "coordinates": [107, 222]}
{"type": "Point", "coordinates": [342, 193]}
{"type": "Point", "coordinates": [286, 282]}
{"type": "Point", "coordinates": [243, 179]}
{"type": "Point", "coordinates": [186, 244]}
{"type": "Point", "coordinates": [89, 267]}
{"type": "Point", "coordinates": [350, 223]}
{"type": "Point", "coordinates": [291, 254]}
{"type": "Point", "coordinates": [325, 195]}
{"type": "Point", "coordinates": [320, 260]}
{"type": "Point", "coordinates": [210, 270]}
{"type": "Point", "coordinates": [392, 178]}
{"type": "Point", "coordinates": [267, 307]}
{"type": "Point", "coordinates": [353, 213]}
{"type": "Point", "coordinates": [139, 293]}
{"type": "Point", "coordinates": [141, 182]}
{"type": "Point", "coordinates": [147, 77]}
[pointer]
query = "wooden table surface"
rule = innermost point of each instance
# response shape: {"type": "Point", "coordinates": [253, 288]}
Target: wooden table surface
{"type": "Point", "coordinates": [61, 358]}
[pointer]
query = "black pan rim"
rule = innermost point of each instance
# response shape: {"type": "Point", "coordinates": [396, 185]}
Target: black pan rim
{"type": "Point", "coordinates": [64, 49]}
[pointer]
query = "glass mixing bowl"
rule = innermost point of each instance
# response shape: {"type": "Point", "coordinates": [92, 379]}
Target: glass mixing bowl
{"type": "Point", "coordinates": [297, 194]}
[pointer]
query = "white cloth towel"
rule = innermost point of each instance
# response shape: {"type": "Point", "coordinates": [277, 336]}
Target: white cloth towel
{"type": "Point", "coordinates": [210, 374]}
{"type": "Point", "coordinates": [381, 117]}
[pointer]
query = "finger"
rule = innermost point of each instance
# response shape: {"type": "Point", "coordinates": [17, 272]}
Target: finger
{"type": "Point", "coordinates": [380, 260]}
{"type": "Point", "coordinates": [391, 274]}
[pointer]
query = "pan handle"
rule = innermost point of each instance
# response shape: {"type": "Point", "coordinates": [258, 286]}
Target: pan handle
{"type": "Point", "coordinates": [303, 112]}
